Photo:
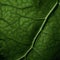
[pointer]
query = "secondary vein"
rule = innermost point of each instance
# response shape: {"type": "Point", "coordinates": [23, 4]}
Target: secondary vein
{"type": "Point", "coordinates": [42, 26]}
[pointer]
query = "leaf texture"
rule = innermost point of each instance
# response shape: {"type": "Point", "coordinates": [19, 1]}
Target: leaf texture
{"type": "Point", "coordinates": [29, 29]}
{"type": "Point", "coordinates": [47, 45]}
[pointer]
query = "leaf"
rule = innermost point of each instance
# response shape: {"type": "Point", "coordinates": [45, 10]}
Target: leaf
{"type": "Point", "coordinates": [21, 23]}
{"type": "Point", "coordinates": [47, 45]}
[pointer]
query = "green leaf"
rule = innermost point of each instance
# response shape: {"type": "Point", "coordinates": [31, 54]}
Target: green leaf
{"type": "Point", "coordinates": [29, 29]}
{"type": "Point", "coordinates": [47, 45]}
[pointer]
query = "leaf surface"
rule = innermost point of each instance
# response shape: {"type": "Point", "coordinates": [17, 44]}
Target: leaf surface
{"type": "Point", "coordinates": [21, 22]}
{"type": "Point", "coordinates": [47, 45]}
